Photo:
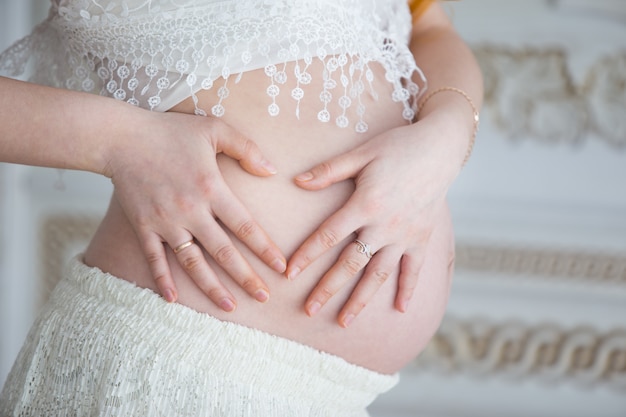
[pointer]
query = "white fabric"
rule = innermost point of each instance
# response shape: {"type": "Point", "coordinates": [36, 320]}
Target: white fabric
{"type": "Point", "coordinates": [104, 347]}
{"type": "Point", "coordinates": [155, 53]}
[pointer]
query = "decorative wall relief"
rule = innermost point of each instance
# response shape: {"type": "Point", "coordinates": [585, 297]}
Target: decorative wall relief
{"type": "Point", "coordinates": [547, 352]}
{"type": "Point", "coordinates": [606, 94]}
{"type": "Point", "coordinates": [542, 263]}
{"type": "Point", "coordinates": [531, 93]}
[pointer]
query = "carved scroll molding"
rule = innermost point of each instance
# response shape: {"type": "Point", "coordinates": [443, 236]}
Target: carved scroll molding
{"type": "Point", "coordinates": [542, 263]}
{"type": "Point", "coordinates": [59, 234]}
{"type": "Point", "coordinates": [515, 350]}
{"type": "Point", "coordinates": [531, 93]}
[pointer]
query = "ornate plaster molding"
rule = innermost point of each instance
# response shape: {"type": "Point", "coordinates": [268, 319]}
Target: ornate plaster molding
{"type": "Point", "coordinates": [542, 263]}
{"type": "Point", "coordinates": [512, 349]}
{"type": "Point", "coordinates": [531, 93]}
{"type": "Point", "coordinates": [60, 232]}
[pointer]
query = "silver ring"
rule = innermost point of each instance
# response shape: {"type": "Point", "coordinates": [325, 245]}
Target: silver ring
{"type": "Point", "coordinates": [363, 248]}
{"type": "Point", "coordinates": [182, 246]}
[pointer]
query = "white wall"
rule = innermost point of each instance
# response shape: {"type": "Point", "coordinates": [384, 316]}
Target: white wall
{"type": "Point", "coordinates": [15, 311]}
{"type": "Point", "coordinates": [540, 214]}
{"type": "Point", "coordinates": [28, 198]}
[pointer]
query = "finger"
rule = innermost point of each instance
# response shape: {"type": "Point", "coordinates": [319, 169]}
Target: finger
{"type": "Point", "coordinates": [334, 230]}
{"type": "Point", "coordinates": [350, 263]}
{"type": "Point", "coordinates": [217, 243]}
{"type": "Point", "coordinates": [377, 272]}
{"type": "Point", "coordinates": [232, 143]}
{"type": "Point", "coordinates": [413, 259]}
{"type": "Point", "coordinates": [336, 169]}
{"type": "Point", "coordinates": [410, 267]}
{"type": "Point", "coordinates": [191, 259]}
{"type": "Point", "coordinates": [154, 252]}
{"type": "Point", "coordinates": [237, 219]}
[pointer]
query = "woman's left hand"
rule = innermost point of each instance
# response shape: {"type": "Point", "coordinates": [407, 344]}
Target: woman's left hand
{"type": "Point", "coordinates": [401, 178]}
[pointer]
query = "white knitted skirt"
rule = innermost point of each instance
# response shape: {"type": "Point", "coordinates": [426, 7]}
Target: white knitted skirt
{"type": "Point", "coordinates": [104, 347]}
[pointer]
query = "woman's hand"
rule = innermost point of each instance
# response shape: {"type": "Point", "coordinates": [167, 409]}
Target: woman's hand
{"type": "Point", "coordinates": [168, 182]}
{"type": "Point", "coordinates": [401, 179]}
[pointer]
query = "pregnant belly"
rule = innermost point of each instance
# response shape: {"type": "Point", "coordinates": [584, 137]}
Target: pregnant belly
{"type": "Point", "coordinates": [381, 338]}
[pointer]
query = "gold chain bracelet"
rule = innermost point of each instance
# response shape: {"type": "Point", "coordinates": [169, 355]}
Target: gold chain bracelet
{"type": "Point", "coordinates": [470, 147]}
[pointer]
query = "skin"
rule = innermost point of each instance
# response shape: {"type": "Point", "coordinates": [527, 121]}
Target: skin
{"type": "Point", "coordinates": [82, 137]}
{"type": "Point", "coordinates": [199, 193]}
{"type": "Point", "coordinates": [425, 158]}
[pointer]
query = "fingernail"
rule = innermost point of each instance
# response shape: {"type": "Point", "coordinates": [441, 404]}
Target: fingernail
{"type": "Point", "coordinates": [307, 176]}
{"type": "Point", "coordinates": [269, 167]}
{"type": "Point", "coordinates": [169, 296]}
{"type": "Point", "coordinates": [293, 273]}
{"type": "Point", "coordinates": [404, 304]}
{"type": "Point", "coordinates": [227, 305]}
{"type": "Point", "coordinates": [278, 265]}
{"type": "Point", "coordinates": [314, 307]}
{"type": "Point", "coordinates": [348, 319]}
{"type": "Point", "coordinates": [262, 296]}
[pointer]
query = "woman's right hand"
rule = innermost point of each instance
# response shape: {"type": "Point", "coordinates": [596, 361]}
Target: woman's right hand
{"type": "Point", "coordinates": [168, 182]}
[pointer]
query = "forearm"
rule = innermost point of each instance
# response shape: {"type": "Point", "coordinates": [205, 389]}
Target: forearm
{"type": "Point", "coordinates": [51, 127]}
{"type": "Point", "coordinates": [447, 61]}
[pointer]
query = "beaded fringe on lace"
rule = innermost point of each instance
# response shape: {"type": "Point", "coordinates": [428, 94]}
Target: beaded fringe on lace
{"type": "Point", "coordinates": [155, 53]}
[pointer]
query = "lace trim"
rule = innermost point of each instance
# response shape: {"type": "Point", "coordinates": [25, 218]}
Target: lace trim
{"type": "Point", "coordinates": [155, 53]}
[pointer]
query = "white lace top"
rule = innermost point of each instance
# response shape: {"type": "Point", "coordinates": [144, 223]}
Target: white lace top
{"type": "Point", "coordinates": [155, 53]}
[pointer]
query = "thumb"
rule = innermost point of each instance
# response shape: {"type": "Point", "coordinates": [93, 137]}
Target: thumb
{"type": "Point", "coordinates": [336, 169]}
{"type": "Point", "coordinates": [232, 143]}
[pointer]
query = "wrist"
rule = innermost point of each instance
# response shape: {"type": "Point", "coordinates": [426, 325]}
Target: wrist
{"type": "Point", "coordinates": [126, 125]}
{"type": "Point", "coordinates": [454, 109]}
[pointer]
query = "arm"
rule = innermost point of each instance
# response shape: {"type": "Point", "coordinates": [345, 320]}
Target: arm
{"type": "Point", "coordinates": [447, 61]}
{"type": "Point", "coordinates": [401, 178]}
{"type": "Point", "coordinates": [163, 167]}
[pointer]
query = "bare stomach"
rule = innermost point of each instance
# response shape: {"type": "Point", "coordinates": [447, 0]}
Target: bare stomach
{"type": "Point", "coordinates": [380, 338]}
